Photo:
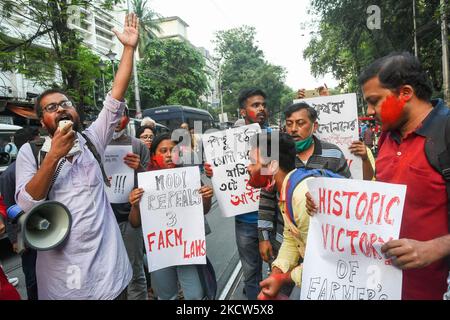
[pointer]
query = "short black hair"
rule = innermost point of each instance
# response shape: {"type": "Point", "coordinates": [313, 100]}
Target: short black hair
{"type": "Point", "coordinates": [312, 113]}
{"type": "Point", "coordinates": [37, 105]}
{"type": "Point", "coordinates": [157, 140]}
{"type": "Point", "coordinates": [25, 135]}
{"type": "Point", "coordinates": [247, 93]}
{"type": "Point", "coordinates": [286, 152]}
{"type": "Point", "coordinates": [398, 69]}
{"type": "Point", "coordinates": [141, 130]}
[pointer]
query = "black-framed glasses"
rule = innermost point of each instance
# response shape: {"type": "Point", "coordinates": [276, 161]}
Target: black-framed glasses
{"type": "Point", "coordinates": [52, 107]}
{"type": "Point", "coordinates": [147, 137]}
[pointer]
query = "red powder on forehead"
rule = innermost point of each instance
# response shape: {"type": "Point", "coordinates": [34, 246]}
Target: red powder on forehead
{"type": "Point", "coordinates": [391, 110]}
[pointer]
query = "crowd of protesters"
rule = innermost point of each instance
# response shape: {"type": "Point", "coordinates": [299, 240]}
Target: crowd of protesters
{"type": "Point", "coordinates": [106, 242]}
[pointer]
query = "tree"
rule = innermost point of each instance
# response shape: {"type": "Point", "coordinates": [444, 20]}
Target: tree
{"type": "Point", "coordinates": [243, 65]}
{"type": "Point", "coordinates": [64, 61]}
{"type": "Point", "coordinates": [147, 24]}
{"type": "Point", "coordinates": [344, 45]}
{"type": "Point", "coordinates": [171, 72]}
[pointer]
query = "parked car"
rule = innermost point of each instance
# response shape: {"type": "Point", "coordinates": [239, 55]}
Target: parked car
{"type": "Point", "coordinates": [8, 151]}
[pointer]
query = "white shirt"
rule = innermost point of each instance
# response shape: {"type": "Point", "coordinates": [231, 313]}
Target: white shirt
{"type": "Point", "coordinates": [93, 262]}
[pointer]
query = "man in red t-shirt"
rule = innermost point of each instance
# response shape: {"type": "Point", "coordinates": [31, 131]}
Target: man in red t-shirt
{"type": "Point", "coordinates": [398, 94]}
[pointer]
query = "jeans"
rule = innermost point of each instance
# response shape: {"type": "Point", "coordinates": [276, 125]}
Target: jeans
{"type": "Point", "coordinates": [134, 244]}
{"type": "Point", "coordinates": [165, 282]}
{"type": "Point", "coordinates": [248, 248]}
{"type": "Point", "coordinates": [29, 270]}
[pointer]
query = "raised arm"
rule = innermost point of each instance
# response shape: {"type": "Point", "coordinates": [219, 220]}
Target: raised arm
{"type": "Point", "coordinates": [129, 38]}
{"type": "Point", "coordinates": [101, 130]}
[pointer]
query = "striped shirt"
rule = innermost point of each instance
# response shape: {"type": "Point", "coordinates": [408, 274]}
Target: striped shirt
{"type": "Point", "coordinates": [325, 156]}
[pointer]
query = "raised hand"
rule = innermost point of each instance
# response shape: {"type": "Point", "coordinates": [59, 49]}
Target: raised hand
{"type": "Point", "coordinates": [358, 148]}
{"type": "Point", "coordinates": [206, 192]}
{"type": "Point", "coordinates": [132, 160]}
{"type": "Point", "coordinates": [130, 35]}
{"type": "Point", "coordinates": [135, 196]}
{"type": "Point", "coordinates": [62, 141]}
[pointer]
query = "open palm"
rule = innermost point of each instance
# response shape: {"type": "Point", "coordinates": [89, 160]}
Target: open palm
{"type": "Point", "coordinates": [130, 35]}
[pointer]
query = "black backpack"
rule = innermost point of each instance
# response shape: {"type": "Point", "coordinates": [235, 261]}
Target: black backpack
{"type": "Point", "coordinates": [36, 147]}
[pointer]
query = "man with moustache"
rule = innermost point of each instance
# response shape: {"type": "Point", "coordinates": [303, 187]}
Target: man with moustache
{"type": "Point", "coordinates": [416, 135]}
{"type": "Point", "coordinates": [398, 94]}
{"type": "Point", "coordinates": [93, 262]}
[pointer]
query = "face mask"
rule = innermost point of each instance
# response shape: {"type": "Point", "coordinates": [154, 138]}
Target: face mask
{"type": "Point", "coordinates": [117, 135]}
{"type": "Point", "coordinates": [258, 181]}
{"type": "Point", "coordinates": [48, 144]}
{"type": "Point", "coordinates": [304, 144]}
{"type": "Point", "coordinates": [159, 162]}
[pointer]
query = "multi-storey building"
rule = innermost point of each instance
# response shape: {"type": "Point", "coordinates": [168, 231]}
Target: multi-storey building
{"type": "Point", "coordinates": [94, 25]}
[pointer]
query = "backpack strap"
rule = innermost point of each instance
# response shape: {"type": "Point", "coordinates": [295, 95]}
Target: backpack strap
{"type": "Point", "coordinates": [39, 155]}
{"type": "Point", "coordinates": [97, 157]}
{"type": "Point", "coordinates": [36, 146]}
{"type": "Point", "coordinates": [295, 178]}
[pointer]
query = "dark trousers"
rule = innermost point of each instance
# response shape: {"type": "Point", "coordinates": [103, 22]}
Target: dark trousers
{"type": "Point", "coordinates": [29, 270]}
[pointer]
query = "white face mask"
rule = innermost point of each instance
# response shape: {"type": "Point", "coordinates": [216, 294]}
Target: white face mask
{"type": "Point", "coordinates": [48, 143]}
{"type": "Point", "coordinates": [117, 135]}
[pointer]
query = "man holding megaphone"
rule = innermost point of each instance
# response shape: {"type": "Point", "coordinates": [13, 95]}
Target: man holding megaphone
{"type": "Point", "coordinates": [92, 262]}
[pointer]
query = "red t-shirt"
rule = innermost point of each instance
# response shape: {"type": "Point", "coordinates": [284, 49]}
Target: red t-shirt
{"type": "Point", "coordinates": [7, 291]}
{"type": "Point", "coordinates": [2, 208]}
{"type": "Point", "coordinates": [425, 212]}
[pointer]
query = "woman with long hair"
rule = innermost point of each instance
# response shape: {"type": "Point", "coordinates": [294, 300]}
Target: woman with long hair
{"type": "Point", "coordinates": [165, 281]}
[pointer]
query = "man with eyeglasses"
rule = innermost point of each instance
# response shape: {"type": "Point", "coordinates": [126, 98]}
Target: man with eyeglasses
{"type": "Point", "coordinates": [93, 262]}
{"type": "Point", "coordinates": [132, 237]}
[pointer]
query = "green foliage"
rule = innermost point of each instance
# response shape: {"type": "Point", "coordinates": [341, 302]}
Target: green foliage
{"type": "Point", "coordinates": [147, 24]}
{"type": "Point", "coordinates": [343, 44]}
{"type": "Point", "coordinates": [66, 63]}
{"type": "Point", "coordinates": [243, 66]}
{"type": "Point", "coordinates": [171, 72]}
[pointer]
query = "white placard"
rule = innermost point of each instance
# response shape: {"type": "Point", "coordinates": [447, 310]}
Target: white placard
{"type": "Point", "coordinates": [172, 217]}
{"type": "Point", "coordinates": [338, 124]}
{"type": "Point", "coordinates": [343, 259]}
{"type": "Point", "coordinates": [228, 153]}
{"type": "Point", "coordinates": [119, 174]}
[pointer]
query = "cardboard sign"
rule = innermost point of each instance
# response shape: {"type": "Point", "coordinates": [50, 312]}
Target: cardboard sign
{"type": "Point", "coordinates": [228, 153]}
{"type": "Point", "coordinates": [172, 217]}
{"type": "Point", "coordinates": [120, 175]}
{"type": "Point", "coordinates": [343, 259]}
{"type": "Point", "coordinates": [338, 124]}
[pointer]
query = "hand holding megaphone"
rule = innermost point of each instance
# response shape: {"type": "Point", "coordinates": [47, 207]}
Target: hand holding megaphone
{"type": "Point", "coordinates": [46, 226]}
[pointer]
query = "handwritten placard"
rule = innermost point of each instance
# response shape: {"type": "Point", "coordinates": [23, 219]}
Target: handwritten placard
{"type": "Point", "coordinates": [338, 124]}
{"type": "Point", "coordinates": [343, 259]}
{"type": "Point", "coordinates": [228, 153]}
{"type": "Point", "coordinates": [119, 174]}
{"type": "Point", "coordinates": [172, 217]}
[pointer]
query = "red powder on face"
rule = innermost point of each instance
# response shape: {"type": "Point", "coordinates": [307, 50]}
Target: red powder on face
{"type": "Point", "coordinates": [391, 110]}
{"type": "Point", "coordinates": [251, 115]}
{"type": "Point", "coordinates": [159, 162]}
{"type": "Point", "coordinates": [257, 180]}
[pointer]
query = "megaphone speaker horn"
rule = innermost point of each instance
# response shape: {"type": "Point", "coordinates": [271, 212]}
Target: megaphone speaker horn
{"type": "Point", "coordinates": [47, 225]}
